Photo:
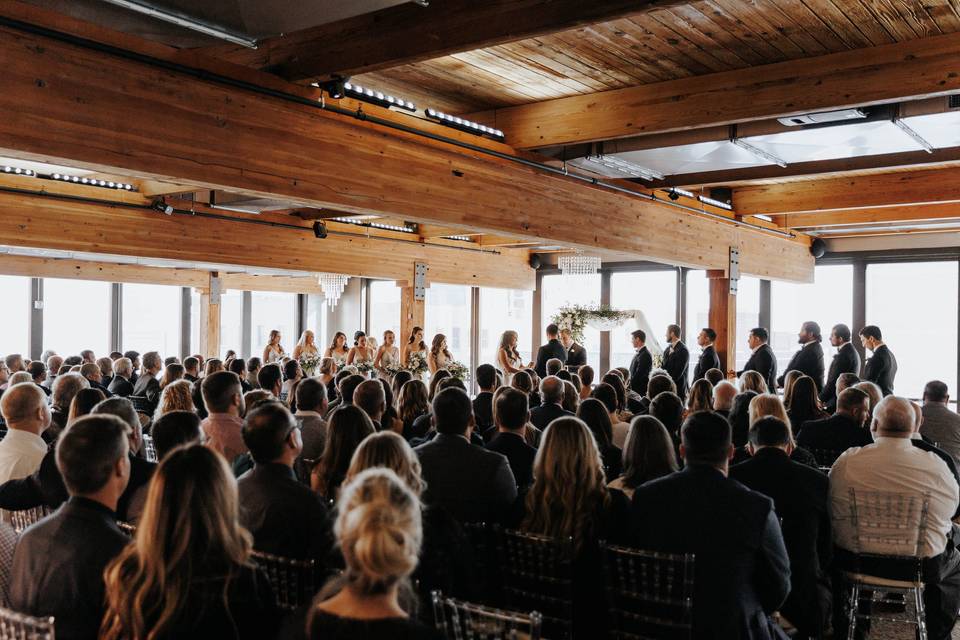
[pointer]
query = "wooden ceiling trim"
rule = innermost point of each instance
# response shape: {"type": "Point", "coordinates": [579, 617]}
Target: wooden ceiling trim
{"type": "Point", "coordinates": [828, 219]}
{"type": "Point", "coordinates": [860, 16]}
{"type": "Point", "coordinates": [820, 37]}
{"type": "Point", "coordinates": [657, 40]}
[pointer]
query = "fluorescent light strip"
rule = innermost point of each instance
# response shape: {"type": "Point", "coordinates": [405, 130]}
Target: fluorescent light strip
{"type": "Point", "coordinates": [19, 171]}
{"type": "Point", "coordinates": [377, 97]}
{"type": "Point", "coordinates": [758, 152]}
{"type": "Point", "coordinates": [623, 166]}
{"type": "Point", "coordinates": [460, 238]}
{"type": "Point", "coordinates": [715, 203]}
{"type": "Point", "coordinates": [91, 182]}
{"type": "Point", "coordinates": [680, 192]}
{"type": "Point", "coordinates": [187, 22]}
{"type": "Point", "coordinates": [464, 125]}
{"type": "Point", "coordinates": [916, 137]}
{"type": "Point", "coordinates": [375, 225]}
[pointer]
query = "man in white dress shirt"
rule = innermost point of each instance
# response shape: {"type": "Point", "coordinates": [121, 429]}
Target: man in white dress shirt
{"type": "Point", "coordinates": [24, 407]}
{"type": "Point", "coordinates": [892, 463]}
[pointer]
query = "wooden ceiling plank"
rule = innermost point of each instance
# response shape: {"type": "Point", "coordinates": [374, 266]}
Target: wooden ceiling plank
{"type": "Point", "coordinates": [627, 71]}
{"type": "Point", "coordinates": [663, 43]}
{"type": "Point", "coordinates": [828, 219]}
{"type": "Point", "coordinates": [890, 19]}
{"type": "Point", "coordinates": [838, 22]}
{"type": "Point", "coordinates": [717, 23]}
{"type": "Point", "coordinates": [728, 56]}
{"type": "Point", "coordinates": [755, 19]}
{"type": "Point", "coordinates": [811, 26]}
{"type": "Point", "coordinates": [943, 13]}
{"type": "Point", "coordinates": [560, 62]}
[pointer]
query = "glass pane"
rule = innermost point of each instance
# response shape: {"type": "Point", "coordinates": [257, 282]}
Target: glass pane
{"type": "Point", "coordinates": [748, 316]}
{"type": "Point", "coordinates": [76, 316]}
{"type": "Point", "coordinates": [447, 311]}
{"type": "Point", "coordinates": [384, 304]}
{"type": "Point", "coordinates": [915, 306]}
{"type": "Point", "coordinates": [272, 310]}
{"type": "Point", "coordinates": [827, 301]}
{"type": "Point", "coordinates": [698, 313]}
{"type": "Point", "coordinates": [15, 293]}
{"type": "Point", "coordinates": [654, 293]}
{"type": "Point", "coordinates": [502, 310]}
{"type": "Point", "coordinates": [151, 318]}
{"type": "Point", "coordinates": [231, 320]}
{"type": "Point", "coordinates": [317, 321]}
{"type": "Point", "coordinates": [563, 291]}
{"type": "Point", "coordinates": [194, 322]}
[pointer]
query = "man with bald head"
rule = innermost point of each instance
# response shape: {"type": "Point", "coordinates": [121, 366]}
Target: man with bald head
{"type": "Point", "coordinates": [894, 464]}
{"type": "Point", "coordinates": [24, 408]}
{"type": "Point", "coordinates": [551, 403]}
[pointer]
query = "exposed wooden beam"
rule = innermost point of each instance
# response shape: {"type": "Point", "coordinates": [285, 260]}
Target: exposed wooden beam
{"type": "Point", "coordinates": [409, 33]}
{"type": "Point", "coordinates": [219, 137]}
{"type": "Point", "coordinates": [933, 186]}
{"type": "Point", "coordinates": [888, 73]}
{"type": "Point", "coordinates": [256, 282]}
{"type": "Point", "coordinates": [37, 267]}
{"type": "Point", "coordinates": [859, 217]}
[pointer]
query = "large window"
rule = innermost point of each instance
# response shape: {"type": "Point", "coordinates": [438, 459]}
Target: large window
{"type": "Point", "coordinates": [76, 316]}
{"type": "Point", "coordinates": [447, 311]}
{"type": "Point", "coordinates": [561, 291]}
{"type": "Point", "coordinates": [915, 306]}
{"type": "Point", "coordinates": [317, 321]}
{"type": "Point", "coordinates": [384, 304]}
{"type": "Point", "coordinates": [151, 318]}
{"type": "Point", "coordinates": [15, 335]}
{"type": "Point", "coordinates": [502, 310]}
{"type": "Point", "coordinates": [748, 316]}
{"type": "Point", "coordinates": [272, 310]}
{"type": "Point", "coordinates": [698, 313]}
{"type": "Point", "coordinates": [827, 301]}
{"type": "Point", "coordinates": [231, 322]}
{"type": "Point", "coordinates": [652, 292]}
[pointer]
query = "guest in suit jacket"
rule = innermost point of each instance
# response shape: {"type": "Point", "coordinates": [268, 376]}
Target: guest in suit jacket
{"type": "Point", "coordinates": [551, 403]}
{"type": "Point", "coordinates": [881, 368]}
{"type": "Point", "coordinates": [92, 373]}
{"type": "Point", "coordinates": [743, 572]}
{"type": "Point", "coordinates": [809, 359]}
{"type": "Point", "coordinates": [147, 384]}
{"type": "Point", "coordinates": [511, 413]}
{"type": "Point", "coordinates": [553, 349]}
{"type": "Point", "coordinates": [58, 563]}
{"type": "Point", "coordinates": [676, 360]}
{"type": "Point", "coordinates": [642, 363]}
{"type": "Point", "coordinates": [576, 354]}
{"type": "Point", "coordinates": [842, 430]}
{"type": "Point", "coordinates": [940, 424]}
{"type": "Point", "coordinates": [847, 360]}
{"type": "Point", "coordinates": [483, 402]}
{"type": "Point", "coordinates": [762, 360]}
{"type": "Point", "coordinates": [799, 495]}
{"type": "Point", "coordinates": [121, 385]}
{"type": "Point", "coordinates": [469, 482]}
{"type": "Point", "coordinates": [708, 357]}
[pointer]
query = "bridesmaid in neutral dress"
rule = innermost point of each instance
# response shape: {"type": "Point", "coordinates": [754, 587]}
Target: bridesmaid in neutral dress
{"type": "Point", "coordinates": [387, 355]}
{"type": "Point", "coordinates": [338, 349]}
{"type": "Point", "coordinates": [439, 356]}
{"type": "Point", "coordinates": [415, 344]}
{"type": "Point", "coordinates": [274, 351]}
{"type": "Point", "coordinates": [360, 353]}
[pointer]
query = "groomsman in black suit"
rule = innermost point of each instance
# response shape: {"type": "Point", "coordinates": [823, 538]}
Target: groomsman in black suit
{"type": "Point", "coordinates": [847, 360]}
{"type": "Point", "coordinates": [881, 368]}
{"type": "Point", "coordinates": [676, 359]}
{"type": "Point", "coordinates": [762, 359]}
{"type": "Point", "coordinates": [576, 354]}
{"type": "Point", "coordinates": [553, 349]}
{"type": "Point", "coordinates": [708, 357]}
{"type": "Point", "coordinates": [809, 359]}
{"type": "Point", "coordinates": [641, 364]}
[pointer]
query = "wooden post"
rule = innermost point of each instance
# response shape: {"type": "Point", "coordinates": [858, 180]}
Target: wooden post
{"type": "Point", "coordinates": [412, 311]}
{"type": "Point", "coordinates": [209, 321]}
{"type": "Point", "coordinates": [723, 319]}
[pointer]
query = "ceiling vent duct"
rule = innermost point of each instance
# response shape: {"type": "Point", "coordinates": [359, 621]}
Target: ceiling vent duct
{"type": "Point", "coordinates": [843, 115]}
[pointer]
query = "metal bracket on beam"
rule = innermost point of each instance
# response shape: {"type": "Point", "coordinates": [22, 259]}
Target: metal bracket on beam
{"type": "Point", "coordinates": [420, 281]}
{"type": "Point", "coordinates": [733, 270]}
{"type": "Point", "coordinates": [216, 288]}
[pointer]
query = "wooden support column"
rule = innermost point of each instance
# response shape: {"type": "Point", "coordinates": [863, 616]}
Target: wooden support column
{"type": "Point", "coordinates": [210, 319]}
{"type": "Point", "coordinates": [412, 311]}
{"type": "Point", "coordinates": [723, 319]}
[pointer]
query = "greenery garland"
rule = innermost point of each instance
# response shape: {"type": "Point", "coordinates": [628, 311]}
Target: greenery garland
{"type": "Point", "coordinates": [577, 317]}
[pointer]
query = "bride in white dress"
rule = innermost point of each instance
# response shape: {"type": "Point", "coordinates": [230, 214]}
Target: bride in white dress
{"type": "Point", "coordinates": [387, 355]}
{"type": "Point", "coordinates": [508, 357]}
{"type": "Point", "coordinates": [338, 349]}
{"type": "Point", "coordinates": [306, 349]}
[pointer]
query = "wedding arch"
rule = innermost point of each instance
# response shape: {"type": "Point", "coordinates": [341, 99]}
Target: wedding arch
{"type": "Point", "coordinates": [604, 318]}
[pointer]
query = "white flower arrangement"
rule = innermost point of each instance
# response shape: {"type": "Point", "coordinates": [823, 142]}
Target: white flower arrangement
{"type": "Point", "coordinates": [577, 317]}
{"type": "Point", "coordinates": [459, 370]}
{"type": "Point", "coordinates": [364, 367]}
{"type": "Point", "coordinates": [416, 363]}
{"type": "Point", "coordinates": [309, 364]}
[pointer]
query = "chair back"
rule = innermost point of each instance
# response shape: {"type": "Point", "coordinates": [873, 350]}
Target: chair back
{"type": "Point", "coordinates": [140, 403]}
{"type": "Point", "coordinates": [149, 451]}
{"type": "Point", "coordinates": [459, 620]}
{"type": "Point", "coordinates": [825, 457]}
{"type": "Point", "coordinates": [19, 626]}
{"type": "Point", "coordinates": [23, 518]}
{"type": "Point", "coordinates": [887, 520]}
{"type": "Point", "coordinates": [538, 576]}
{"type": "Point", "coordinates": [650, 594]}
{"type": "Point", "coordinates": [294, 581]}
{"type": "Point", "coordinates": [485, 562]}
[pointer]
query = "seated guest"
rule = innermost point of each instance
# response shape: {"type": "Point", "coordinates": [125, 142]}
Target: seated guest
{"type": "Point", "coordinates": [14, 363]}
{"type": "Point", "coordinates": [753, 381]}
{"type": "Point", "coordinates": [940, 425]}
{"type": "Point", "coordinates": [311, 407]}
{"type": "Point", "coordinates": [176, 396]}
{"type": "Point", "coordinates": [106, 371]}
{"type": "Point", "coordinates": [256, 397]}
{"type": "Point", "coordinates": [769, 404]}
{"type": "Point", "coordinates": [379, 529]}
{"type": "Point", "coordinates": [140, 469]}
{"type": "Point", "coordinates": [449, 459]}
{"type": "Point", "coordinates": [594, 414]}
{"type": "Point", "coordinates": [587, 375]}
{"type": "Point", "coordinates": [743, 572]}
{"type": "Point", "coordinates": [292, 373]}
{"type": "Point", "coordinates": [571, 397]}
{"type": "Point", "coordinates": [414, 409]}
{"type": "Point", "coordinates": [510, 414]}
{"type": "Point", "coordinates": [58, 563]}
{"type": "Point", "coordinates": [83, 403]}
{"type": "Point", "coordinates": [223, 426]}
{"type": "Point", "coordinates": [173, 429]}
{"type": "Point", "coordinates": [20, 377]}
{"type": "Point", "coordinates": [120, 385]}
{"type": "Point", "coordinates": [551, 395]}
{"type": "Point", "coordinates": [191, 369]}
{"type": "Point", "coordinates": [285, 518]}
{"type": "Point", "coordinates": [613, 379]}
{"type": "Point", "coordinates": [873, 392]}
{"type": "Point", "coordinates": [723, 394]}
{"type": "Point", "coordinates": [254, 365]}
{"type": "Point", "coordinates": [399, 379]}
{"type": "Point", "coordinates": [188, 572]}
{"type": "Point", "coordinates": [87, 356]}
{"type": "Point", "coordinates": [25, 411]}
{"type": "Point", "coordinates": [346, 429]}
{"type": "Point", "coordinates": [370, 397]}
{"type": "Point", "coordinates": [667, 407]}
{"type": "Point", "coordinates": [893, 464]}
{"type": "Point", "coordinates": [483, 402]}
{"type": "Point", "coordinates": [845, 381]}
{"type": "Point", "coordinates": [788, 379]}
{"type": "Point", "coordinates": [213, 365]}
{"type": "Point", "coordinates": [606, 394]}
{"type": "Point", "coordinates": [842, 430]}
{"type": "Point", "coordinates": [649, 455]}
{"type": "Point", "coordinates": [171, 373]}
{"type": "Point", "coordinates": [714, 376]}
{"type": "Point", "coordinates": [346, 388]}
{"type": "Point", "coordinates": [147, 385]}
{"type": "Point", "coordinates": [658, 383]}
{"type": "Point", "coordinates": [739, 418]}
{"type": "Point", "coordinates": [799, 495]}
{"type": "Point", "coordinates": [804, 403]}
{"type": "Point", "coordinates": [239, 367]}
{"type": "Point", "coordinates": [65, 388]}
{"type": "Point", "coordinates": [54, 363]}
{"type": "Point", "coordinates": [701, 397]}
{"type": "Point", "coordinates": [38, 373]}
{"type": "Point", "coordinates": [554, 366]}
{"type": "Point", "coordinates": [270, 378]}
{"type": "Point", "coordinates": [435, 380]}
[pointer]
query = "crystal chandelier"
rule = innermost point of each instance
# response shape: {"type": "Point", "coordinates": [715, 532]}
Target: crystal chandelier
{"type": "Point", "coordinates": [579, 264]}
{"type": "Point", "coordinates": [332, 285]}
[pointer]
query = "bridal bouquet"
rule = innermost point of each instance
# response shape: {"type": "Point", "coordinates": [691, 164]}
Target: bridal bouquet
{"type": "Point", "coordinates": [416, 363]}
{"type": "Point", "coordinates": [309, 364]}
{"type": "Point", "coordinates": [458, 370]}
{"type": "Point", "coordinates": [393, 368]}
{"type": "Point", "coordinates": [363, 368]}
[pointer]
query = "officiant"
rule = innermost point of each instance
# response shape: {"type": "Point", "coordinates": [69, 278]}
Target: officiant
{"type": "Point", "coordinates": [576, 354]}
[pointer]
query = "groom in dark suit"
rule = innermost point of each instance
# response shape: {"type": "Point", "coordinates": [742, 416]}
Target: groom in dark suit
{"type": "Point", "coordinates": [553, 349]}
{"type": "Point", "coordinates": [576, 354]}
{"type": "Point", "coordinates": [847, 360]}
{"type": "Point", "coordinates": [708, 357]}
{"type": "Point", "coordinates": [641, 364]}
{"type": "Point", "coordinates": [676, 360]}
{"type": "Point", "coordinates": [762, 359]}
{"type": "Point", "coordinates": [809, 359]}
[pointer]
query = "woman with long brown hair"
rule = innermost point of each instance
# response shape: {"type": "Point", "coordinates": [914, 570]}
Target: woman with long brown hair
{"type": "Point", "coordinates": [414, 402]}
{"type": "Point", "coordinates": [171, 373]}
{"type": "Point", "coordinates": [414, 345]}
{"type": "Point", "coordinates": [439, 356]}
{"type": "Point", "coordinates": [509, 361]}
{"type": "Point", "coordinates": [338, 349]}
{"type": "Point", "coordinates": [83, 403]}
{"type": "Point", "coordinates": [649, 455]}
{"type": "Point", "coordinates": [188, 571]}
{"type": "Point", "coordinates": [347, 426]}
{"type": "Point", "coordinates": [274, 351]}
{"type": "Point", "coordinates": [700, 397]}
{"type": "Point", "coordinates": [804, 403]}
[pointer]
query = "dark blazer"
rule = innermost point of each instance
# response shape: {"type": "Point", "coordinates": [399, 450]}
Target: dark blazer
{"type": "Point", "coordinates": [808, 360]}
{"type": "Point", "coordinates": [742, 572]}
{"type": "Point", "coordinates": [149, 387]}
{"type": "Point", "coordinates": [881, 369]}
{"type": "Point", "coordinates": [708, 360]}
{"type": "Point", "coordinates": [640, 368]}
{"type": "Point", "coordinates": [765, 363]}
{"type": "Point", "coordinates": [483, 411]}
{"type": "Point", "coordinates": [448, 460]}
{"type": "Point", "coordinates": [553, 349]}
{"type": "Point", "coordinates": [105, 390]}
{"type": "Point", "coordinates": [546, 413]}
{"type": "Point", "coordinates": [800, 496]}
{"type": "Point", "coordinates": [836, 433]}
{"type": "Point", "coordinates": [576, 357]}
{"type": "Point", "coordinates": [58, 567]}
{"type": "Point", "coordinates": [519, 454]}
{"type": "Point", "coordinates": [846, 360]}
{"type": "Point", "coordinates": [120, 386]}
{"type": "Point", "coordinates": [285, 517]}
{"type": "Point", "coordinates": [676, 359]}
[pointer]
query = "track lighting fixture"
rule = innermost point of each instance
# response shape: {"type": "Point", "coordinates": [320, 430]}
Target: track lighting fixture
{"type": "Point", "coordinates": [463, 124]}
{"type": "Point", "coordinates": [341, 88]}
